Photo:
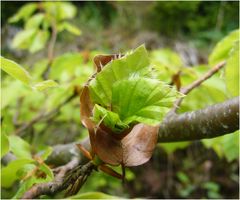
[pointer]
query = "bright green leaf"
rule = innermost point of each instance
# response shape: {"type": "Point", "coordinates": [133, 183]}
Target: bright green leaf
{"type": "Point", "coordinates": [45, 85]}
{"type": "Point", "coordinates": [47, 152]}
{"type": "Point", "coordinates": [23, 39]}
{"type": "Point", "coordinates": [131, 64]}
{"type": "Point", "coordinates": [173, 146]}
{"type": "Point", "coordinates": [43, 167]}
{"type": "Point", "coordinates": [24, 13]}
{"type": "Point", "coordinates": [71, 28]}
{"type": "Point", "coordinates": [66, 10]}
{"type": "Point", "coordinates": [222, 49]}
{"type": "Point", "coordinates": [19, 147]}
{"type": "Point", "coordinates": [4, 144]}
{"type": "Point", "coordinates": [110, 119]}
{"type": "Point", "coordinates": [60, 10]}
{"type": "Point", "coordinates": [26, 184]}
{"type": "Point", "coordinates": [230, 144]}
{"type": "Point", "coordinates": [93, 195]}
{"type": "Point", "coordinates": [9, 173]}
{"type": "Point", "coordinates": [39, 41]}
{"type": "Point", "coordinates": [65, 66]}
{"type": "Point", "coordinates": [15, 70]}
{"type": "Point", "coordinates": [26, 169]}
{"type": "Point", "coordinates": [168, 59]}
{"type": "Point", "coordinates": [142, 100]}
{"type": "Point", "coordinates": [225, 146]}
{"type": "Point", "coordinates": [34, 21]}
{"type": "Point", "coordinates": [215, 87]}
{"type": "Point", "coordinates": [232, 71]}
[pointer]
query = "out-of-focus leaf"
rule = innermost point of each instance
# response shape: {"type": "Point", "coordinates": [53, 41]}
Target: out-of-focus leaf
{"type": "Point", "coordinates": [230, 144]}
{"type": "Point", "coordinates": [45, 85]}
{"type": "Point", "coordinates": [66, 10]}
{"type": "Point", "coordinates": [222, 49]}
{"type": "Point", "coordinates": [15, 70]}
{"type": "Point", "coordinates": [10, 97]}
{"type": "Point", "coordinates": [60, 10]}
{"type": "Point", "coordinates": [39, 41]}
{"type": "Point", "coordinates": [131, 64]}
{"type": "Point", "coordinates": [211, 186]}
{"type": "Point", "coordinates": [38, 69]}
{"type": "Point", "coordinates": [4, 144]}
{"type": "Point", "coordinates": [212, 190]}
{"type": "Point", "coordinates": [93, 195]}
{"type": "Point", "coordinates": [168, 59]}
{"type": "Point", "coordinates": [214, 195]}
{"type": "Point", "coordinates": [227, 145]}
{"type": "Point", "coordinates": [173, 146]}
{"type": "Point", "coordinates": [27, 168]}
{"type": "Point", "coordinates": [44, 155]}
{"type": "Point", "coordinates": [183, 177]}
{"type": "Point", "coordinates": [34, 21]}
{"type": "Point", "coordinates": [26, 184]}
{"type": "Point", "coordinates": [142, 100]}
{"type": "Point", "coordinates": [215, 87]}
{"type": "Point", "coordinates": [232, 71]}
{"type": "Point", "coordinates": [43, 167]}
{"type": "Point", "coordinates": [130, 175]}
{"type": "Point", "coordinates": [66, 66]}
{"type": "Point", "coordinates": [19, 147]}
{"type": "Point", "coordinates": [24, 13]}
{"type": "Point", "coordinates": [9, 173]}
{"type": "Point", "coordinates": [70, 28]}
{"type": "Point", "coordinates": [24, 38]}
{"type": "Point", "coordinates": [184, 193]}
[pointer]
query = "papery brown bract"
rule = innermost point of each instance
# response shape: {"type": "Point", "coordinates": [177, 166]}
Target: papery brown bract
{"type": "Point", "coordinates": [134, 149]}
{"type": "Point", "coordinates": [101, 60]}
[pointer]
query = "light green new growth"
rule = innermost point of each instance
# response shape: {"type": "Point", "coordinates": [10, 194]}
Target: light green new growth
{"type": "Point", "coordinates": [109, 118]}
{"type": "Point", "coordinates": [19, 73]}
{"type": "Point", "coordinates": [131, 64]}
{"type": "Point", "coordinates": [142, 99]}
{"type": "Point", "coordinates": [124, 93]}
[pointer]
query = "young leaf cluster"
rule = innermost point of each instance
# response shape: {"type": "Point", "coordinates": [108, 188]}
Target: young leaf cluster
{"type": "Point", "coordinates": [19, 73]}
{"type": "Point", "coordinates": [25, 168]}
{"type": "Point", "coordinates": [38, 19]}
{"type": "Point", "coordinates": [125, 93]}
{"type": "Point", "coordinates": [228, 49]}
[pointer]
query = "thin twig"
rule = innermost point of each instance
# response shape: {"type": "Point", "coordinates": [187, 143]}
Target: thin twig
{"type": "Point", "coordinates": [44, 116]}
{"type": "Point", "coordinates": [56, 185]}
{"type": "Point", "coordinates": [66, 177]}
{"type": "Point", "coordinates": [17, 113]}
{"type": "Point", "coordinates": [50, 49]}
{"type": "Point", "coordinates": [196, 83]}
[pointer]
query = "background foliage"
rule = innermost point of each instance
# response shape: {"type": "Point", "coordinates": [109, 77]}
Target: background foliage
{"type": "Point", "coordinates": [199, 169]}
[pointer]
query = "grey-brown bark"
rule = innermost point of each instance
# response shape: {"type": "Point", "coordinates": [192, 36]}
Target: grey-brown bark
{"type": "Point", "coordinates": [213, 121]}
{"type": "Point", "coordinates": [61, 181]}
